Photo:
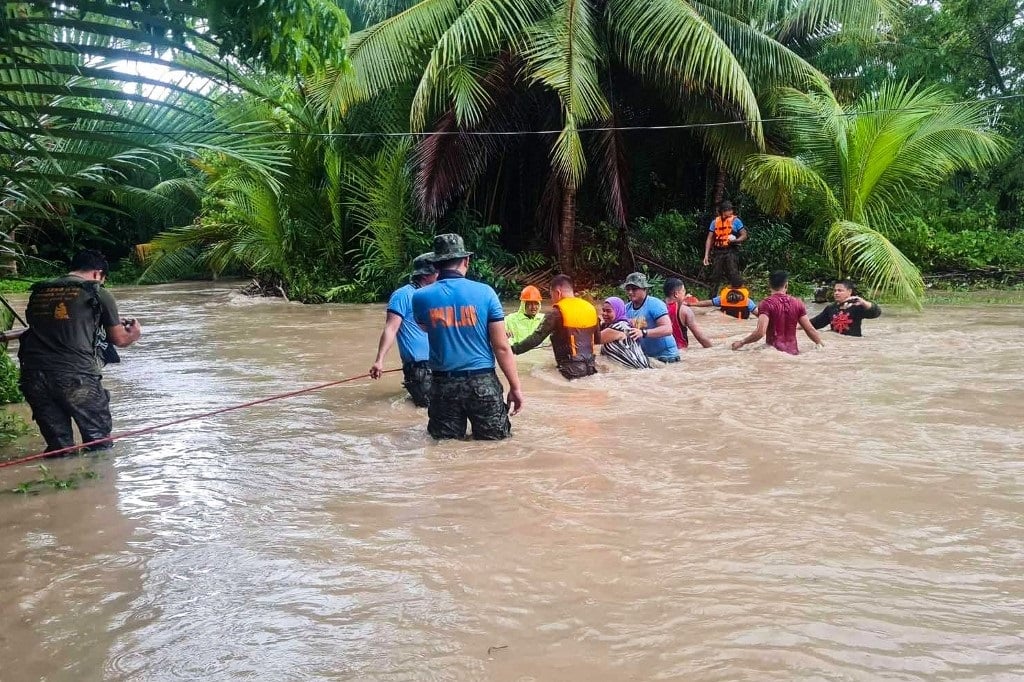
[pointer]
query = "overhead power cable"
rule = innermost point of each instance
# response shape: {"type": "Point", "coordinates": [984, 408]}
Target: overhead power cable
{"type": "Point", "coordinates": [527, 133]}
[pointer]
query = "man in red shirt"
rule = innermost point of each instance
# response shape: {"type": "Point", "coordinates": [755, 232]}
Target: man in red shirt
{"type": "Point", "coordinates": [777, 318]}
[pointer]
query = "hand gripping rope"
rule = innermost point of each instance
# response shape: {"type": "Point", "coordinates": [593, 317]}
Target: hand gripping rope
{"type": "Point", "coordinates": [175, 422]}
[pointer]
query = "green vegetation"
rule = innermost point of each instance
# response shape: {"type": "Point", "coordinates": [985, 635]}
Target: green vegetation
{"type": "Point", "coordinates": [873, 138]}
{"type": "Point", "coordinates": [16, 286]}
{"type": "Point", "coordinates": [12, 427]}
{"type": "Point", "coordinates": [857, 169]}
{"type": "Point", "coordinates": [9, 391]}
{"type": "Point", "coordinates": [973, 297]}
{"type": "Point", "coordinates": [49, 480]}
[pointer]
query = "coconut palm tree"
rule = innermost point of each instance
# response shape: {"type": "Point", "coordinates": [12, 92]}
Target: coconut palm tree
{"type": "Point", "coordinates": [855, 169]}
{"type": "Point", "coordinates": [81, 122]}
{"type": "Point", "coordinates": [95, 95]}
{"type": "Point", "coordinates": [710, 59]}
{"type": "Point", "coordinates": [337, 209]}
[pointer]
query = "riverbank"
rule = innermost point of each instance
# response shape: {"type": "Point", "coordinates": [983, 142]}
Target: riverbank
{"type": "Point", "coordinates": [973, 297]}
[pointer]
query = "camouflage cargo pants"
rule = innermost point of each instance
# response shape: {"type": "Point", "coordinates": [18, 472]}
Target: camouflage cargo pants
{"type": "Point", "coordinates": [417, 382]}
{"type": "Point", "coordinates": [725, 266]}
{"type": "Point", "coordinates": [479, 398]}
{"type": "Point", "coordinates": [57, 398]}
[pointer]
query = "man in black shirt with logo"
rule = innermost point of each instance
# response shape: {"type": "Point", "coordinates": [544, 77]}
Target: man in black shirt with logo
{"type": "Point", "coordinates": [60, 364]}
{"type": "Point", "coordinates": [845, 315]}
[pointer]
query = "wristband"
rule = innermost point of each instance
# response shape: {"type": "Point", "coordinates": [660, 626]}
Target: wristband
{"type": "Point", "coordinates": [643, 332]}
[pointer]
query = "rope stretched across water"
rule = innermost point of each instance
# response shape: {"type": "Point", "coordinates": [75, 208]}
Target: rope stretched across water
{"type": "Point", "coordinates": [204, 415]}
{"type": "Point", "coordinates": [175, 422]}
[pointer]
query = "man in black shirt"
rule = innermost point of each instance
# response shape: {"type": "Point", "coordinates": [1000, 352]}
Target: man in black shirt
{"type": "Point", "coordinates": [845, 315]}
{"type": "Point", "coordinates": [61, 368]}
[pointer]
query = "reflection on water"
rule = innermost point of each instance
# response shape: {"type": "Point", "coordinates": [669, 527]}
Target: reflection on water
{"type": "Point", "coordinates": [850, 514]}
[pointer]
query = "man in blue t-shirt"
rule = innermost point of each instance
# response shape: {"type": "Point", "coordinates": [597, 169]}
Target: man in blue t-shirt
{"type": "Point", "coordinates": [465, 325]}
{"type": "Point", "coordinates": [412, 341]}
{"type": "Point", "coordinates": [649, 318]}
{"type": "Point", "coordinates": [725, 234]}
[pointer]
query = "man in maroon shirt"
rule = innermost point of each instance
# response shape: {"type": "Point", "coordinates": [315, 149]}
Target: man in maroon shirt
{"type": "Point", "coordinates": [778, 316]}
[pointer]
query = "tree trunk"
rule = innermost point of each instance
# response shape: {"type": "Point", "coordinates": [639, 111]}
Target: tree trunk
{"type": "Point", "coordinates": [627, 259]}
{"type": "Point", "coordinates": [718, 192]}
{"type": "Point", "coordinates": [997, 75]}
{"type": "Point", "coordinates": [567, 231]}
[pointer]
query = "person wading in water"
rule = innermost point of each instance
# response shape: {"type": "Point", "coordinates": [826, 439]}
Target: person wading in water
{"type": "Point", "coordinates": [573, 327]}
{"type": "Point", "coordinates": [61, 374]}
{"type": "Point", "coordinates": [845, 315]}
{"type": "Point", "coordinates": [684, 322]}
{"type": "Point", "coordinates": [521, 324]}
{"type": "Point", "coordinates": [465, 326]}
{"type": "Point", "coordinates": [734, 300]}
{"type": "Point", "coordinates": [617, 341]}
{"type": "Point", "coordinates": [649, 317]}
{"type": "Point", "coordinates": [778, 317]}
{"type": "Point", "coordinates": [412, 341]}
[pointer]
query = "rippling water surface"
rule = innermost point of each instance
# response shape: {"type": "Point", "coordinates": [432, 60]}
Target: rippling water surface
{"type": "Point", "coordinates": [852, 514]}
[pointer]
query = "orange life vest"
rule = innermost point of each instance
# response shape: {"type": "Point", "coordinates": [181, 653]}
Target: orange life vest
{"type": "Point", "coordinates": [723, 228]}
{"type": "Point", "coordinates": [735, 302]}
{"type": "Point", "coordinates": [575, 341]}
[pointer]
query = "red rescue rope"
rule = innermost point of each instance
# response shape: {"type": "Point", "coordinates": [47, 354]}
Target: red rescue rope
{"type": "Point", "coordinates": [147, 429]}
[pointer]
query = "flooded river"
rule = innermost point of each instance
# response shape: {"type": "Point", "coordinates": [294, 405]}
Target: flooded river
{"type": "Point", "coordinates": [851, 514]}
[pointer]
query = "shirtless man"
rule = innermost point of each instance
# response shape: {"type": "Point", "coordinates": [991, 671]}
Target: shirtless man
{"type": "Point", "coordinates": [684, 322]}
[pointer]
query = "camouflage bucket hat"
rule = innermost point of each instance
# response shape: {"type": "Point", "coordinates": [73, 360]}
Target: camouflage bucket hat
{"type": "Point", "coordinates": [423, 264]}
{"type": "Point", "coordinates": [449, 247]}
{"type": "Point", "coordinates": [638, 280]}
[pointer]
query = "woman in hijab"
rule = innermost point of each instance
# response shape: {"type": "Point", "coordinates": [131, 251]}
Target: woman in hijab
{"type": "Point", "coordinates": [615, 340]}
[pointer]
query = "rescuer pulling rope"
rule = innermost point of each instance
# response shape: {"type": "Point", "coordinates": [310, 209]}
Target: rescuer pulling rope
{"type": "Point", "coordinates": [175, 422]}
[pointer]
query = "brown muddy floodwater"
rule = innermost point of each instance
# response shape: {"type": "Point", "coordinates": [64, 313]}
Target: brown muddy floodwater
{"type": "Point", "coordinates": [851, 514]}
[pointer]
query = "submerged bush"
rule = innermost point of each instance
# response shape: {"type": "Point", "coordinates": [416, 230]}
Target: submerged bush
{"type": "Point", "coordinates": [9, 391]}
{"type": "Point", "coordinates": [12, 427]}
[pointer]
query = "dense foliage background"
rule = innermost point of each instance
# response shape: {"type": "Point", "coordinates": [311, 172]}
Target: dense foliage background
{"type": "Point", "coordinates": [316, 145]}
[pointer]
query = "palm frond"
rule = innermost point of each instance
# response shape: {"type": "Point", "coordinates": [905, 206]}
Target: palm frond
{"type": "Point", "coordinates": [778, 183]}
{"type": "Point", "coordinates": [382, 206]}
{"type": "Point", "coordinates": [561, 53]}
{"type": "Point", "coordinates": [790, 21]}
{"type": "Point", "coordinates": [447, 165]}
{"type": "Point", "coordinates": [919, 138]}
{"type": "Point", "coordinates": [395, 50]}
{"type": "Point", "coordinates": [868, 255]}
{"type": "Point", "coordinates": [480, 31]}
{"type": "Point", "coordinates": [671, 42]}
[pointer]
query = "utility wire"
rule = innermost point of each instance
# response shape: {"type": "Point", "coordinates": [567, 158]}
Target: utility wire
{"type": "Point", "coordinates": [559, 131]}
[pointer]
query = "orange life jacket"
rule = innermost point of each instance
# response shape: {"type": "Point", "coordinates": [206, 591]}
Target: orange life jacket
{"type": "Point", "coordinates": [575, 341]}
{"type": "Point", "coordinates": [735, 302]}
{"type": "Point", "coordinates": [723, 228]}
